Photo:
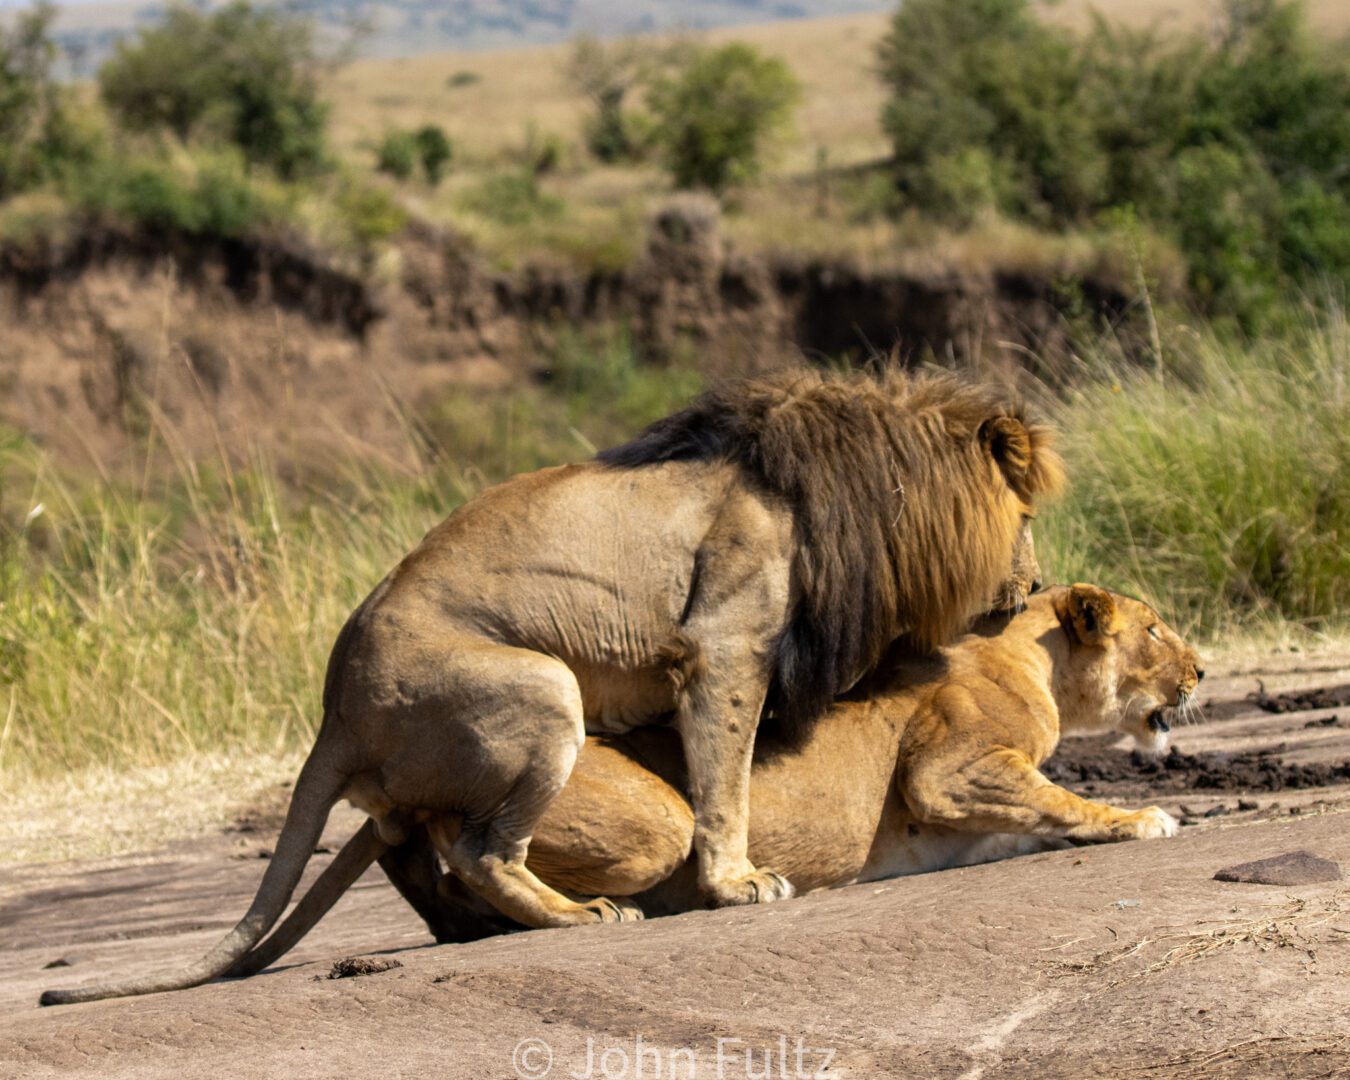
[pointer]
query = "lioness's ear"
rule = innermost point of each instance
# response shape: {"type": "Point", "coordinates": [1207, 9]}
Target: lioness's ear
{"type": "Point", "coordinates": [1088, 614]}
{"type": "Point", "coordinates": [1009, 443]}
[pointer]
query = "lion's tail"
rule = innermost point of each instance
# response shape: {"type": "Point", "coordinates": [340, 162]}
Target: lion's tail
{"type": "Point", "coordinates": [319, 786]}
{"type": "Point", "coordinates": [340, 875]}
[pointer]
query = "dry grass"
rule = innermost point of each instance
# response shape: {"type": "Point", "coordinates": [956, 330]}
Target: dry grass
{"type": "Point", "coordinates": [1292, 927]}
{"type": "Point", "coordinates": [521, 95]}
{"type": "Point", "coordinates": [770, 220]}
{"type": "Point", "coordinates": [518, 88]}
{"type": "Point", "coordinates": [101, 811]}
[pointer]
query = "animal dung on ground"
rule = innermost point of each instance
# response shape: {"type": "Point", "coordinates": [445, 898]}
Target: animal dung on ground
{"type": "Point", "coordinates": [353, 966]}
{"type": "Point", "coordinates": [1291, 868]}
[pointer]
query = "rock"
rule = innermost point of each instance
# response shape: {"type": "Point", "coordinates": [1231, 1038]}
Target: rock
{"type": "Point", "coordinates": [1291, 868]}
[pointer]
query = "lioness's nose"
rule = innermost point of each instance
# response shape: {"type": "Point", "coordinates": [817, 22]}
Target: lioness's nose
{"type": "Point", "coordinates": [1036, 585]}
{"type": "Point", "coordinates": [1199, 674]}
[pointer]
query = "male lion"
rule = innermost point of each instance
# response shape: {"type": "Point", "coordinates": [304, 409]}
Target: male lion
{"type": "Point", "coordinates": [756, 552]}
{"type": "Point", "coordinates": [933, 764]}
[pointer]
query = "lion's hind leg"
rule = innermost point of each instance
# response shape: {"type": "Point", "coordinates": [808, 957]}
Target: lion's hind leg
{"type": "Point", "coordinates": [450, 912]}
{"type": "Point", "coordinates": [490, 860]}
{"type": "Point", "coordinates": [538, 729]}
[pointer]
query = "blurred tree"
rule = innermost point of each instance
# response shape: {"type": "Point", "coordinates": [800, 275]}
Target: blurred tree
{"type": "Point", "coordinates": [37, 133]}
{"type": "Point", "coordinates": [434, 151]}
{"type": "Point", "coordinates": [984, 106]}
{"type": "Point", "coordinates": [402, 152]}
{"type": "Point", "coordinates": [1237, 146]}
{"type": "Point", "coordinates": [396, 155]}
{"type": "Point", "coordinates": [712, 115]}
{"type": "Point", "coordinates": [243, 74]}
{"type": "Point", "coordinates": [605, 73]}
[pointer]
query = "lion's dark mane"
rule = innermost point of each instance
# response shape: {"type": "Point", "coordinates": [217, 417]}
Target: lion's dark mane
{"type": "Point", "coordinates": [899, 521]}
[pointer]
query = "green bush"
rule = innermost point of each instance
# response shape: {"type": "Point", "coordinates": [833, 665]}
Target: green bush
{"type": "Point", "coordinates": [39, 135]}
{"type": "Point", "coordinates": [396, 155]}
{"type": "Point", "coordinates": [434, 151]}
{"type": "Point", "coordinates": [242, 74]}
{"type": "Point", "coordinates": [367, 214]}
{"type": "Point", "coordinates": [512, 198]}
{"type": "Point", "coordinates": [209, 195]}
{"type": "Point", "coordinates": [401, 153]}
{"type": "Point", "coordinates": [712, 116]}
{"type": "Point", "coordinates": [983, 96]}
{"type": "Point", "coordinates": [1235, 147]}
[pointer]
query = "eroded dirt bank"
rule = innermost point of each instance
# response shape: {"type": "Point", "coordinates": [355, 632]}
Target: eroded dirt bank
{"type": "Point", "coordinates": [109, 333]}
{"type": "Point", "coordinates": [1124, 960]}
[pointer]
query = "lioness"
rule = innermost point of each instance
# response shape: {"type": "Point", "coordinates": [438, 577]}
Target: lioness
{"type": "Point", "coordinates": [933, 764]}
{"type": "Point", "coordinates": [759, 550]}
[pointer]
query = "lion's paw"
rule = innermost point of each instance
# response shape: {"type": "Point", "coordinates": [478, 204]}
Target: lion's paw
{"type": "Point", "coordinates": [614, 911]}
{"type": "Point", "coordinates": [759, 887]}
{"type": "Point", "coordinates": [1153, 823]}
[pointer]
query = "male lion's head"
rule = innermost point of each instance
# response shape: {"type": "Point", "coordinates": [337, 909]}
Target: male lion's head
{"type": "Point", "coordinates": [1128, 670]}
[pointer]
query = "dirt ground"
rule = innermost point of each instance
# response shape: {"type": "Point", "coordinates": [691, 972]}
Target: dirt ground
{"type": "Point", "coordinates": [1127, 960]}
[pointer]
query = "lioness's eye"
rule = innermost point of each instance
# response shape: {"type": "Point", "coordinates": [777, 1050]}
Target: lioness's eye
{"type": "Point", "coordinates": [1153, 633]}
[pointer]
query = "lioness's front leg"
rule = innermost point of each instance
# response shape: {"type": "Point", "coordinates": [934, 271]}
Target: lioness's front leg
{"type": "Point", "coordinates": [1003, 791]}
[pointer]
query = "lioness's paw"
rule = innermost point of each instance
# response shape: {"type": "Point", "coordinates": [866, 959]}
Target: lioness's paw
{"type": "Point", "coordinates": [760, 887]}
{"type": "Point", "coordinates": [1155, 822]}
{"type": "Point", "coordinates": [620, 910]}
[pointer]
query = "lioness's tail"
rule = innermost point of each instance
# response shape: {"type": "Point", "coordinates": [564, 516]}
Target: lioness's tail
{"type": "Point", "coordinates": [340, 875]}
{"type": "Point", "coordinates": [317, 789]}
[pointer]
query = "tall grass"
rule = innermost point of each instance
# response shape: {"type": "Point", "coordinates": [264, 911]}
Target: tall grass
{"type": "Point", "coordinates": [192, 609]}
{"type": "Point", "coordinates": [138, 627]}
{"type": "Point", "coordinates": [1217, 486]}
{"type": "Point", "coordinates": [192, 612]}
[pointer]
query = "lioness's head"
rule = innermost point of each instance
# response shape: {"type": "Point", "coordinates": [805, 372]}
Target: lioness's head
{"type": "Point", "coordinates": [1126, 668]}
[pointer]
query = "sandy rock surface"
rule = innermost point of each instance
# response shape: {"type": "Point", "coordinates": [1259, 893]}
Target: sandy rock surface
{"type": "Point", "coordinates": [1127, 960]}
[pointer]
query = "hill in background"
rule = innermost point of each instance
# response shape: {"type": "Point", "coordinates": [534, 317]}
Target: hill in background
{"type": "Point", "coordinates": [88, 32]}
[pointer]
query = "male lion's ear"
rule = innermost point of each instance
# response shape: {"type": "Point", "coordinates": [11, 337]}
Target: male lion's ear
{"type": "Point", "coordinates": [1009, 443]}
{"type": "Point", "coordinates": [1088, 614]}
